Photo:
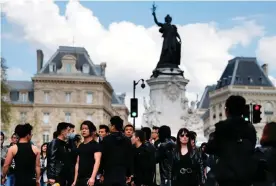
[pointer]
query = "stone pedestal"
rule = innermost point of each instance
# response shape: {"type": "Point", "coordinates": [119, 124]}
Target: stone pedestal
{"type": "Point", "coordinates": [168, 104]}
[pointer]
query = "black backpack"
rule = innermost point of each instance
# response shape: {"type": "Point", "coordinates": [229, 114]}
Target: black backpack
{"type": "Point", "coordinates": [237, 163]}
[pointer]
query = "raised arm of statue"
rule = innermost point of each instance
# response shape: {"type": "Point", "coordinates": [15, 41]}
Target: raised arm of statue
{"type": "Point", "coordinates": [154, 15]}
{"type": "Point", "coordinates": [156, 21]}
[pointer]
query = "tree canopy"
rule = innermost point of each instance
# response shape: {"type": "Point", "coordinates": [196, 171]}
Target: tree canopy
{"type": "Point", "coordinates": [5, 106]}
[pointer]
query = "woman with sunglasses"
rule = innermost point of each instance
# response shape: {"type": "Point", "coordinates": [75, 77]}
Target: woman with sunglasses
{"type": "Point", "coordinates": [187, 167]}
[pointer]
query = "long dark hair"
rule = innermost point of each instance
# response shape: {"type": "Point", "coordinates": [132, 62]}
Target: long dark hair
{"type": "Point", "coordinates": [269, 137]}
{"type": "Point", "coordinates": [42, 147]}
{"type": "Point", "coordinates": [178, 143]}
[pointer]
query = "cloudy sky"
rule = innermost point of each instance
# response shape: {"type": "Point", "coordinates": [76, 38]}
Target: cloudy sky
{"type": "Point", "coordinates": [123, 34]}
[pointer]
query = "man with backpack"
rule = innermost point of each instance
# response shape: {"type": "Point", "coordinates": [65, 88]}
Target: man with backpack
{"type": "Point", "coordinates": [233, 142]}
{"type": "Point", "coordinates": [117, 156]}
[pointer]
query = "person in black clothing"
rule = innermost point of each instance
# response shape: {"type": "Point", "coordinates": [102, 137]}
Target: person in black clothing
{"type": "Point", "coordinates": [155, 136]}
{"type": "Point", "coordinates": [55, 135]}
{"type": "Point", "coordinates": [211, 163]}
{"type": "Point", "coordinates": [117, 160]}
{"type": "Point", "coordinates": [89, 156]}
{"type": "Point", "coordinates": [204, 156]}
{"type": "Point", "coordinates": [234, 143]}
{"type": "Point", "coordinates": [26, 157]}
{"type": "Point", "coordinates": [152, 150]}
{"type": "Point", "coordinates": [187, 167]}
{"type": "Point", "coordinates": [173, 139]}
{"type": "Point", "coordinates": [71, 145]}
{"type": "Point", "coordinates": [58, 159]}
{"type": "Point", "coordinates": [103, 132]}
{"type": "Point", "coordinates": [266, 154]}
{"type": "Point", "coordinates": [165, 155]}
{"type": "Point", "coordinates": [143, 173]}
{"type": "Point", "coordinates": [193, 136]}
{"type": "Point", "coordinates": [128, 130]}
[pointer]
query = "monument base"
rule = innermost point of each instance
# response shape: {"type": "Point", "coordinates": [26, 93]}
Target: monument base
{"type": "Point", "coordinates": [168, 103]}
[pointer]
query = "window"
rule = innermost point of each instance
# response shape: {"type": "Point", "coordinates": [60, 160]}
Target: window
{"type": "Point", "coordinates": [46, 97]}
{"type": "Point", "coordinates": [89, 98]}
{"type": "Point", "coordinates": [52, 67]}
{"type": "Point", "coordinates": [85, 68]}
{"type": "Point", "coordinates": [67, 117]}
{"type": "Point", "coordinates": [23, 116]}
{"type": "Point", "coordinates": [89, 117]}
{"type": "Point", "coordinates": [23, 97]}
{"type": "Point", "coordinates": [45, 138]}
{"type": "Point", "coordinates": [261, 80]}
{"type": "Point", "coordinates": [268, 109]}
{"type": "Point", "coordinates": [46, 118]}
{"type": "Point", "coordinates": [250, 80]}
{"type": "Point", "coordinates": [68, 97]}
{"type": "Point", "coordinates": [68, 68]}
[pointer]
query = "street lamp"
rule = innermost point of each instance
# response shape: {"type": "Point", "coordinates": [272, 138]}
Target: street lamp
{"type": "Point", "coordinates": [135, 114]}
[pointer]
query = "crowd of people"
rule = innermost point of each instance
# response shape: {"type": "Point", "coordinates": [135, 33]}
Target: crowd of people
{"type": "Point", "coordinates": [118, 155]}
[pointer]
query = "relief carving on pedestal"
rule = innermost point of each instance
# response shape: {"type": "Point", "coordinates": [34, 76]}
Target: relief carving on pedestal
{"type": "Point", "coordinates": [190, 116]}
{"type": "Point", "coordinates": [173, 89]}
{"type": "Point", "coordinates": [151, 114]}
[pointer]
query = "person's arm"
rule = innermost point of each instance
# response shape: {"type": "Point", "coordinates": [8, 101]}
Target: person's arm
{"type": "Point", "coordinates": [37, 164]}
{"type": "Point", "coordinates": [97, 158]}
{"type": "Point", "coordinates": [104, 151]}
{"type": "Point", "coordinates": [51, 158]}
{"type": "Point", "coordinates": [8, 160]}
{"type": "Point", "coordinates": [76, 171]}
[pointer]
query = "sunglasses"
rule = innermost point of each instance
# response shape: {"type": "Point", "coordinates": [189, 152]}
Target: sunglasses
{"type": "Point", "coordinates": [182, 135]}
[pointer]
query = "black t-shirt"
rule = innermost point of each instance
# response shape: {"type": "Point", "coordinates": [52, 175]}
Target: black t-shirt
{"type": "Point", "coordinates": [86, 158]}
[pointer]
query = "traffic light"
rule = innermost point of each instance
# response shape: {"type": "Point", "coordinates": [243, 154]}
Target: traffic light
{"type": "Point", "coordinates": [134, 107]}
{"type": "Point", "coordinates": [257, 113]}
{"type": "Point", "coordinates": [246, 114]}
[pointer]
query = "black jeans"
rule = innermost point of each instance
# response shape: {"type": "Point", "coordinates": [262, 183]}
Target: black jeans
{"type": "Point", "coordinates": [114, 184]}
{"type": "Point", "coordinates": [25, 182]}
{"type": "Point", "coordinates": [82, 182]}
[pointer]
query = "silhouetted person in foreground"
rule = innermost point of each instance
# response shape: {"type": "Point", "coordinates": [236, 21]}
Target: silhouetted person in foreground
{"type": "Point", "coordinates": [233, 142]}
{"type": "Point", "coordinates": [117, 156]}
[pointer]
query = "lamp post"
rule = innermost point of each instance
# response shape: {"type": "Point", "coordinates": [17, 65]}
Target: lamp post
{"type": "Point", "coordinates": [134, 89]}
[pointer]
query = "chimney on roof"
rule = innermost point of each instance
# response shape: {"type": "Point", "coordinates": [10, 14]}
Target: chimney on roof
{"type": "Point", "coordinates": [39, 60]}
{"type": "Point", "coordinates": [265, 69]}
{"type": "Point", "coordinates": [103, 67]}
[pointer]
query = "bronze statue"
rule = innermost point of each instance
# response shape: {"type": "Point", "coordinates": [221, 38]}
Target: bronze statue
{"type": "Point", "coordinates": [171, 49]}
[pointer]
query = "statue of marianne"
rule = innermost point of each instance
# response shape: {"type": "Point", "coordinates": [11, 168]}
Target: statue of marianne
{"type": "Point", "coordinates": [171, 49]}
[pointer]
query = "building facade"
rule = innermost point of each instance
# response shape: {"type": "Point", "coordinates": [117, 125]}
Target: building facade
{"type": "Point", "coordinates": [70, 88]}
{"type": "Point", "coordinates": [242, 76]}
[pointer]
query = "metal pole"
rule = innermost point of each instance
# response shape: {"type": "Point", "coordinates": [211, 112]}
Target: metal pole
{"type": "Point", "coordinates": [251, 113]}
{"type": "Point", "coordinates": [134, 88]}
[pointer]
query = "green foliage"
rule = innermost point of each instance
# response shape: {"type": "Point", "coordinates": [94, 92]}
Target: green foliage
{"type": "Point", "coordinates": [5, 106]}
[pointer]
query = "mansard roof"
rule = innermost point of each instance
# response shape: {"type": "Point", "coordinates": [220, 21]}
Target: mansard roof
{"type": "Point", "coordinates": [20, 85]}
{"type": "Point", "coordinates": [81, 55]}
{"type": "Point", "coordinates": [243, 71]}
{"type": "Point", "coordinates": [204, 101]}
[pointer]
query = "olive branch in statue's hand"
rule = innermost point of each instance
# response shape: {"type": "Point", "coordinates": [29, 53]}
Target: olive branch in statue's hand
{"type": "Point", "coordinates": [153, 8]}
